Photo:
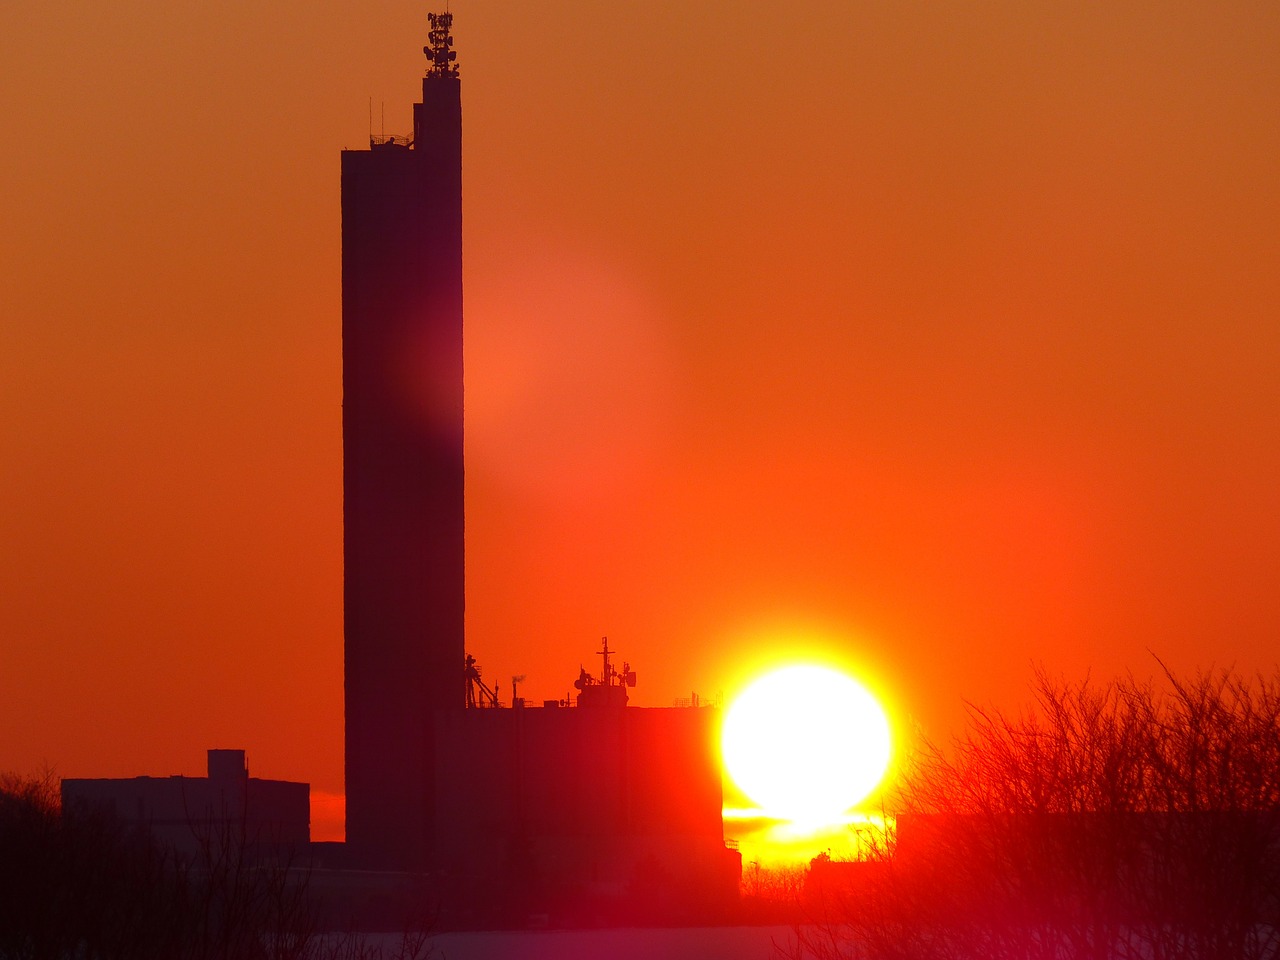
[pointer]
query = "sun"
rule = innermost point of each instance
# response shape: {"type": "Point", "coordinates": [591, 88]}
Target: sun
{"type": "Point", "coordinates": [806, 743]}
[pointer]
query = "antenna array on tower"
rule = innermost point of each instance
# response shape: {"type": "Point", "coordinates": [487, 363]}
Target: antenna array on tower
{"type": "Point", "coordinates": [439, 48]}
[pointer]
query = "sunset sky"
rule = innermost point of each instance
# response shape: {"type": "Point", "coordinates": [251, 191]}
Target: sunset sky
{"type": "Point", "coordinates": [942, 337]}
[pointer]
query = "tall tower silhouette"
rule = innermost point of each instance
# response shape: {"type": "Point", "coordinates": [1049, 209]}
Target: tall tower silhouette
{"type": "Point", "coordinates": [402, 464]}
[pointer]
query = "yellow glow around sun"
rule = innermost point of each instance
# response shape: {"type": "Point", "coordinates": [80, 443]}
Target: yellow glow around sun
{"type": "Point", "coordinates": [806, 743]}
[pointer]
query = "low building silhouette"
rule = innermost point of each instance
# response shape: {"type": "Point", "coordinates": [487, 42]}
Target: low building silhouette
{"type": "Point", "coordinates": [592, 801]}
{"type": "Point", "coordinates": [188, 814]}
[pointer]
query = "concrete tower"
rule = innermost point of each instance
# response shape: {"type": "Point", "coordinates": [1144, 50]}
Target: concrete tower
{"type": "Point", "coordinates": [402, 464]}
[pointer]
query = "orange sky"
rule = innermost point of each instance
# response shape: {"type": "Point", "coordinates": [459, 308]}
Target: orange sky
{"type": "Point", "coordinates": [941, 334]}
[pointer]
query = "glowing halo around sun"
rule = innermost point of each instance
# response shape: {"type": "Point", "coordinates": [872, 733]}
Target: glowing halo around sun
{"type": "Point", "coordinates": [806, 743]}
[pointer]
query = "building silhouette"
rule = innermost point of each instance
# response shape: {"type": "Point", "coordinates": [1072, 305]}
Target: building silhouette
{"type": "Point", "coordinates": [584, 809]}
{"type": "Point", "coordinates": [185, 815]}
{"type": "Point", "coordinates": [511, 809]}
{"type": "Point", "coordinates": [584, 813]}
{"type": "Point", "coordinates": [402, 464]}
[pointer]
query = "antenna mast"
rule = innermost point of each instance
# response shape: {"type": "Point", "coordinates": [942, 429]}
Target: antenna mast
{"type": "Point", "coordinates": [439, 48]}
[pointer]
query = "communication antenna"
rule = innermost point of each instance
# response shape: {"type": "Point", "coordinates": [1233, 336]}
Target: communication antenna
{"type": "Point", "coordinates": [441, 56]}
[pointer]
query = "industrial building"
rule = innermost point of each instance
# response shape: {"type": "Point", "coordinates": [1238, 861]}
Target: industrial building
{"type": "Point", "coordinates": [587, 800]}
{"type": "Point", "coordinates": [493, 812]}
{"type": "Point", "coordinates": [186, 815]}
{"type": "Point", "coordinates": [402, 464]}
{"type": "Point", "coordinates": [590, 795]}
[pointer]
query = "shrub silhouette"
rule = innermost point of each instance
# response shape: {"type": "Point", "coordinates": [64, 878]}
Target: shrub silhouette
{"type": "Point", "coordinates": [1128, 819]}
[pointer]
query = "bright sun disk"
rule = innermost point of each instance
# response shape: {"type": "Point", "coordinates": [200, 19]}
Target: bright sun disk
{"type": "Point", "coordinates": [806, 743]}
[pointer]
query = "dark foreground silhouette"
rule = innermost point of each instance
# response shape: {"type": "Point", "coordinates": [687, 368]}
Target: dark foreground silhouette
{"type": "Point", "coordinates": [1125, 820]}
{"type": "Point", "coordinates": [85, 886]}
{"type": "Point", "coordinates": [1120, 820]}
